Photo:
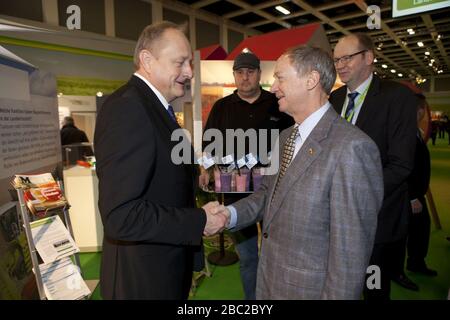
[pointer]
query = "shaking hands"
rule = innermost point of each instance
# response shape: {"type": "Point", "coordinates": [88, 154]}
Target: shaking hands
{"type": "Point", "coordinates": [217, 218]}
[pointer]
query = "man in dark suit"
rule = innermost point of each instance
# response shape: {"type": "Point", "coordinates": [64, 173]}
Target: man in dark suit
{"type": "Point", "coordinates": [152, 231]}
{"type": "Point", "coordinates": [419, 225]}
{"type": "Point", "coordinates": [386, 112]}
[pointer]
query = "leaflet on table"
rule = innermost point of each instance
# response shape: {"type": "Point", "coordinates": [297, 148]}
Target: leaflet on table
{"type": "Point", "coordinates": [62, 280]}
{"type": "Point", "coordinates": [42, 194]}
{"type": "Point", "coordinates": [51, 239]}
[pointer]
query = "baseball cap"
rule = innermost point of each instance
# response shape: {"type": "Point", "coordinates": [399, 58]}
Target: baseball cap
{"type": "Point", "coordinates": [246, 60]}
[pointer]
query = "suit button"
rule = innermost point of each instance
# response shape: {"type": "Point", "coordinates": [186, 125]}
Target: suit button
{"type": "Point", "coordinates": [265, 235]}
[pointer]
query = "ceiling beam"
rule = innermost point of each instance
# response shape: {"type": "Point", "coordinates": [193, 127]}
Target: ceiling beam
{"type": "Point", "coordinates": [325, 19]}
{"type": "Point", "coordinates": [263, 14]}
{"type": "Point", "coordinates": [334, 4]}
{"type": "Point", "coordinates": [429, 23]}
{"type": "Point", "coordinates": [204, 15]}
{"type": "Point", "coordinates": [363, 6]}
{"type": "Point", "coordinates": [355, 15]}
{"type": "Point", "coordinates": [203, 3]}
{"type": "Point", "coordinates": [258, 7]}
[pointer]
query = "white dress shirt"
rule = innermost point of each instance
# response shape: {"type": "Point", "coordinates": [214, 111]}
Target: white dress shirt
{"type": "Point", "coordinates": [158, 94]}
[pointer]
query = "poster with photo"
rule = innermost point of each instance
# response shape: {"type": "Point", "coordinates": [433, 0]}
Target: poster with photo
{"type": "Point", "coordinates": [16, 279]}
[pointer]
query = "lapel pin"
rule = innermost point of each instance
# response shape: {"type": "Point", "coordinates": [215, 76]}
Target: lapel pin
{"type": "Point", "coordinates": [311, 151]}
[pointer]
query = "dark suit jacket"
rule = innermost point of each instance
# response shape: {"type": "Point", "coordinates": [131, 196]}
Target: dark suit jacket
{"type": "Point", "coordinates": [419, 180]}
{"type": "Point", "coordinates": [152, 230]}
{"type": "Point", "coordinates": [388, 116]}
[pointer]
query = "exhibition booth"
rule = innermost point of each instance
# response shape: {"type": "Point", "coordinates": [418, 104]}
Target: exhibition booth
{"type": "Point", "coordinates": [40, 86]}
{"type": "Point", "coordinates": [33, 105]}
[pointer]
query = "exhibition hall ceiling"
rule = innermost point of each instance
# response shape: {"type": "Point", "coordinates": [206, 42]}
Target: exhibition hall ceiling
{"type": "Point", "coordinates": [413, 46]}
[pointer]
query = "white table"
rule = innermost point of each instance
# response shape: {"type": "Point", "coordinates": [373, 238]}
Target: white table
{"type": "Point", "coordinates": [81, 189]}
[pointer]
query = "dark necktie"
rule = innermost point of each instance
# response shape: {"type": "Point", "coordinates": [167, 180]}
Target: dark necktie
{"type": "Point", "coordinates": [288, 153]}
{"type": "Point", "coordinates": [350, 106]}
{"type": "Point", "coordinates": [172, 114]}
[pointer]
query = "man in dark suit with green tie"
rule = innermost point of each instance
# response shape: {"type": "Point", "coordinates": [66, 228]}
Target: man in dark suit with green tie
{"type": "Point", "coordinates": [386, 112]}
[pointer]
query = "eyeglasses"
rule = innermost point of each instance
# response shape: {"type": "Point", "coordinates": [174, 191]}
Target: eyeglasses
{"type": "Point", "coordinates": [346, 59]}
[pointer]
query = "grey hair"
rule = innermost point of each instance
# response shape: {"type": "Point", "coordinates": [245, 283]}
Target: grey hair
{"type": "Point", "coordinates": [152, 34]}
{"type": "Point", "coordinates": [306, 59]}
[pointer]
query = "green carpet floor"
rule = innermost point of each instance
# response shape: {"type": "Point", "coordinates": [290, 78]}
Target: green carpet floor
{"type": "Point", "coordinates": [225, 284]}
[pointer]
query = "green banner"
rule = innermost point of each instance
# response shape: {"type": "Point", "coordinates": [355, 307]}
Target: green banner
{"type": "Point", "coordinates": [406, 7]}
{"type": "Point", "coordinates": [410, 4]}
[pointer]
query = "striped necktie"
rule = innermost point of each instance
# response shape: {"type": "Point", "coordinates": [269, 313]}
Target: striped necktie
{"type": "Point", "coordinates": [286, 159]}
{"type": "Point", "coordinates": [349, 112]}
{"type": "Point", "coordinates": [172, 113]}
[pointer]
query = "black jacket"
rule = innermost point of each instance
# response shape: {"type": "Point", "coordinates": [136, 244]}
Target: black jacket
{"type": "Point", "coordinates": [232, 112]}
{"type": "Point", "coordinates": [419, 180]}
{"type": "Point", "coordinates": [153, 231]}
{"type": "Point", "coordinates": [71, 134]}
{"type": "Point", "coordinates": [388, 116]}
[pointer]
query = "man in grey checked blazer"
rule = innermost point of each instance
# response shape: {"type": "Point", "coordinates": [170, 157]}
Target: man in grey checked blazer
{"type": "Point", "coordinates": [319, 226]}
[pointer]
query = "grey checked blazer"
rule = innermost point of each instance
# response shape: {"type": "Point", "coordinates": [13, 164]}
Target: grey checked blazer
{"type": "Point", "coordinates": [318, 231]}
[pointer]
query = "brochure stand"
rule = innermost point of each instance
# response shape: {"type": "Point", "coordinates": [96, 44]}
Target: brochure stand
{"type": "Point", "coordinates": [33, 251]}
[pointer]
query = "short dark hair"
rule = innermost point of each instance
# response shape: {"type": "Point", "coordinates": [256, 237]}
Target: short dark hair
{"type": "Point", "coordinates": [306, 59]}
{"type": "Point", "coordinates": [365, 42]}
{"type": "Point", "coordinates": [151, 34]}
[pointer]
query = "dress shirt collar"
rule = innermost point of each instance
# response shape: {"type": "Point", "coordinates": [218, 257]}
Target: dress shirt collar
{"type": "Point", "coordinates": [158, 94]}
{"type": "Point", "coordinates": [305, 128]}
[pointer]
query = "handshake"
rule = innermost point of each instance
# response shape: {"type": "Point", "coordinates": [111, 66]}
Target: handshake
{"type": "Point", "coordinates": [217, 218]}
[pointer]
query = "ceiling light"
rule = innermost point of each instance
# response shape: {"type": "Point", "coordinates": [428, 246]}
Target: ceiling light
{"type": "Point", "coordinates": [384, 66]}
{"type": "Point", "coordinates": [427, 53]}
{"type": "Point", "coordinates": [375, 60]}
{"type": "Point", "coordinates": [420, 80]}
{"type": "Point", "coordinates": [430, 64]}
{"type": "Point", "coordinates": [393, 71]}
{"type": "Point", "coordinates": [438, 37]}
{"type": "Point", "coordinates": [411, 31]}
{"type": "Point", "coordinates": [400, 75]}
{"type": "Point", "coordinates": [283, 10]}
{"type": "Point", "coordinates": [420, 44]}
{"type": "Point", "coordinates": [432, 60]}
{"type": "Point", "coordinates": [99, 94]}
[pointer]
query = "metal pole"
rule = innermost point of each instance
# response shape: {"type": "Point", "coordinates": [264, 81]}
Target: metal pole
{"type": "Point", "coordinates": [69, 224]}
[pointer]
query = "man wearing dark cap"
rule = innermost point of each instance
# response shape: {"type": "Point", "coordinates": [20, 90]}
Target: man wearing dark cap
{"type": "Point", "coordinates": [249, 107]}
